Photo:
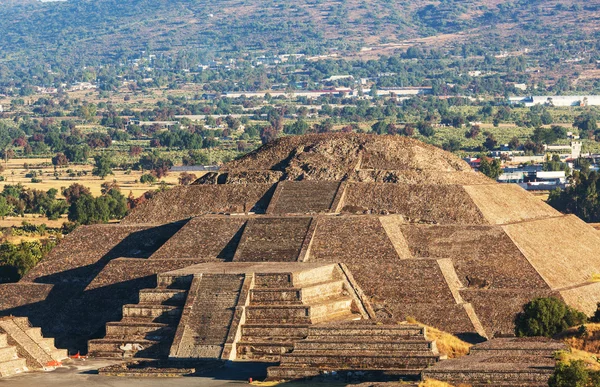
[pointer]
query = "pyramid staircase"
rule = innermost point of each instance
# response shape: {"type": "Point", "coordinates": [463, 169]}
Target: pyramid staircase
{"type": "Point", "coordinates": [38, 352]}
{"type": "Point", "coordinates": [10, 362]}
{"type": "Point", "coordinates": [388, 351]}
{"type": "Point", "coordinates": [148, 327]}
{"type": "Point", "coordinates": [282, 306]}
{"type": "Point", "coordinates": [206, 329]}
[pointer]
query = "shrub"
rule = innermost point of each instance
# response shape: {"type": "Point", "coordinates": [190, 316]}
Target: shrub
{"type": "Point", "coordinates": [574, 374]}
{"type": "Point", "coordinates": [147, 179]}
{"type": "Point", "coordinates": [546, 317]}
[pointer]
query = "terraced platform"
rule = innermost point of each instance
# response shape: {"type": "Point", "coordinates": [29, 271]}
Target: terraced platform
{"type": "Point", "coordinates": [501, 362]}
{"type": "Point", "coordinates": [389, 227]}
{"type": "Point", "coordinates": [393, 351]}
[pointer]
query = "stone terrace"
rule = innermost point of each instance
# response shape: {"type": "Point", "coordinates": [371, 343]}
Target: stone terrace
{"type": "Point", "coordinates": [501, 362]}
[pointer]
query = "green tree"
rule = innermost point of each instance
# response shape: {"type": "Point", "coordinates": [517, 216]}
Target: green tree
{"type": "Point", "coordinates": [491, 170]}
{"type": "Point", "coordinates": [546, 317]}
{"type": "Point", "coordinates": [5, 207]}
{"type": "Point", "coordinates": [574, 374]}
{"type": "Point", "coordinates": [103, 165]}
{"type": "Point", "coordinates": [147, 179]}
{"type": "Point", "coordinates": [586, 123]}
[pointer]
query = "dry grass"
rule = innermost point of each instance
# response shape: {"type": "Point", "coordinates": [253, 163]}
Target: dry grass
{"type": "Point", "coordinates": [590, 359]}
{"type": "Point", "coordinates": [587, 342]}
{"type": "Point", "coordinates": [434, 383]}
{"type": "Point", "coordinates": [15, 173]}
{"type": "Point", "coordinates": [447, 344]}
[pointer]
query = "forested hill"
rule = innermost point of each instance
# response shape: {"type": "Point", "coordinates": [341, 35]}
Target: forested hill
{"type": "Point", "coordinates": [35, 34]}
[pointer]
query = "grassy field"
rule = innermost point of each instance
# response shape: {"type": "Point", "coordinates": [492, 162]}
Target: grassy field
{"type": "Point", "coordinates": [15, 172]}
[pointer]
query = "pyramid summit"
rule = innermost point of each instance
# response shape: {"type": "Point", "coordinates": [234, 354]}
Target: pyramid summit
{"type": "Point", "coordinates": [303, 233]}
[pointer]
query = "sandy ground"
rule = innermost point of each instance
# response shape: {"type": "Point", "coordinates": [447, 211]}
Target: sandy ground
{"type": "Point", "coordinates": [84, 373]}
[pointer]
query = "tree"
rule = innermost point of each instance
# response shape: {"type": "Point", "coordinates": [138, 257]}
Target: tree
{"type": "Point", "coordinates": [135, 150]}
{"type": "Point", "coordinates": [491, 170]}
{"type": "Point", "coordinates": [154, 162]}
{"type": "Point", "coordinates": [268, 134]}
{"type": "Point", "coordinates": [586, 123]}
{"type": "Point", "coordinates": [575, 374]}
{"type": "Point", "coordinates": [473, 131]}
{"type": "Point", "coordinates": [60, 160]}
{"type": "Point", "coordinates": [546, 317]}
{"type": "Point", "coordinates": [147, 179]}
{"type": "Point", "coordinates": [514, 143]}
{"type": "Point", "coordinates": [103, 166]}
{"type": "Point", "coordinates": [425, 129]}
{"type": "Point", "coordinates": [75, 191]}
{"type": "Point", "coordinates": [186, 178]}
{"type": "Point", "coordinates": [490, 142]}
{"type": "Point", "coordinates": [5, 207]}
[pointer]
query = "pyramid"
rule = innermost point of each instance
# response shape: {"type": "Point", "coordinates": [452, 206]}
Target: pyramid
{"type": "Point", "coordinates": [309, 230]}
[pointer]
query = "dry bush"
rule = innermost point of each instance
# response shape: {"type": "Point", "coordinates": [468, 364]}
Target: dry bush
{"type": "Point", "coordinates": [587, 340]}
{"type": "Point", "coordinates": [447, 344]}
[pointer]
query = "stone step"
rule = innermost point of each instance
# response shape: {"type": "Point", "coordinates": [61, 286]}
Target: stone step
{"type": "Point", "coordinates": [314, 276]}
{"type": "Point", "coordinates": [363, 345]}
{"type": "Point", "coordinates": [273, 280]}
{"type": "Point", "coordinates": [269, 296]}
{"type": "Point", "coordinates": [391, 331]}
{"type": "Point", "coordinates": [127, 348]}
{"type": "Point", "coordinates": [294, 295]}
{"type": "Point", "coordinates": [321, 291]}
{"type": "Point", "coordinates": [8, 353]}
{"type": "Point", "coordinates": [277, 312]}
{"type": "Point", "coordinates": [122, 328]}
{"type": "Point", "coordinates": [163, 296]}
{"type": "Point", "coordinates": [45, 343]}
{"type": "Point", "coordinates": [263, 351]}
{"type": "Point", "coordinates": [3, 340]}
{"type": "Point", "coordinates": [261, 331]}
{"type": "Point", "coordinates": [151, 310]}
{"type": "Point", "coordinates": [36, 355]}
{"type": "Point", "coordinates": [276, 322]}
{"type": "Point", "coordinates": [359, 359]}
{"type": "Point", "coordinates": [174, 281]}
{"type": "Point", "coordinates": [330, 309]}
{"type": "Point", "coordinates": [13, 367]}
{"type": "Point", "coordinates": [285, 372]}
{"type": "Point", "coordinates": [491, 377]}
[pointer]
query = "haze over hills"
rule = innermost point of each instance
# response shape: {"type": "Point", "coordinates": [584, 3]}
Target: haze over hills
{"type": "Point", "coordinates": [93, 32]}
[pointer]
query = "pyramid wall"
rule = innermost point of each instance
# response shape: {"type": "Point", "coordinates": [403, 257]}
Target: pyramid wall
{"type": "Point", "coordinates": [445, 245]}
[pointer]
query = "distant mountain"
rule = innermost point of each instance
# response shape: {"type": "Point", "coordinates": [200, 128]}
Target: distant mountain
{"type": "Point", "coordinates": [99, 31]}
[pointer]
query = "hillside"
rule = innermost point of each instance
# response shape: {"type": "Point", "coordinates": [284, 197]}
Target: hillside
{"type": "Point", "coordinates": [86, 32]}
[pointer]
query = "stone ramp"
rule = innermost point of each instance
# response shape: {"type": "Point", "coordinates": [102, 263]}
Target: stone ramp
{"type": "Point", "coordinates": [205, 328]}
{"type": "Point", "coordinates": [37, 351]}
{"type": "Point", "coordinates": [10, 362]}
{"type": "Point", "coordinates": [303, 197]}
{"type": "Point", "coordinates": [148, 327]}
{"type": "Point", "coordinates": [381, 350]}
{"type": "Point", "coordinates": [501, 362]}
{"type": "Point", "coordinates": [272, 239]}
